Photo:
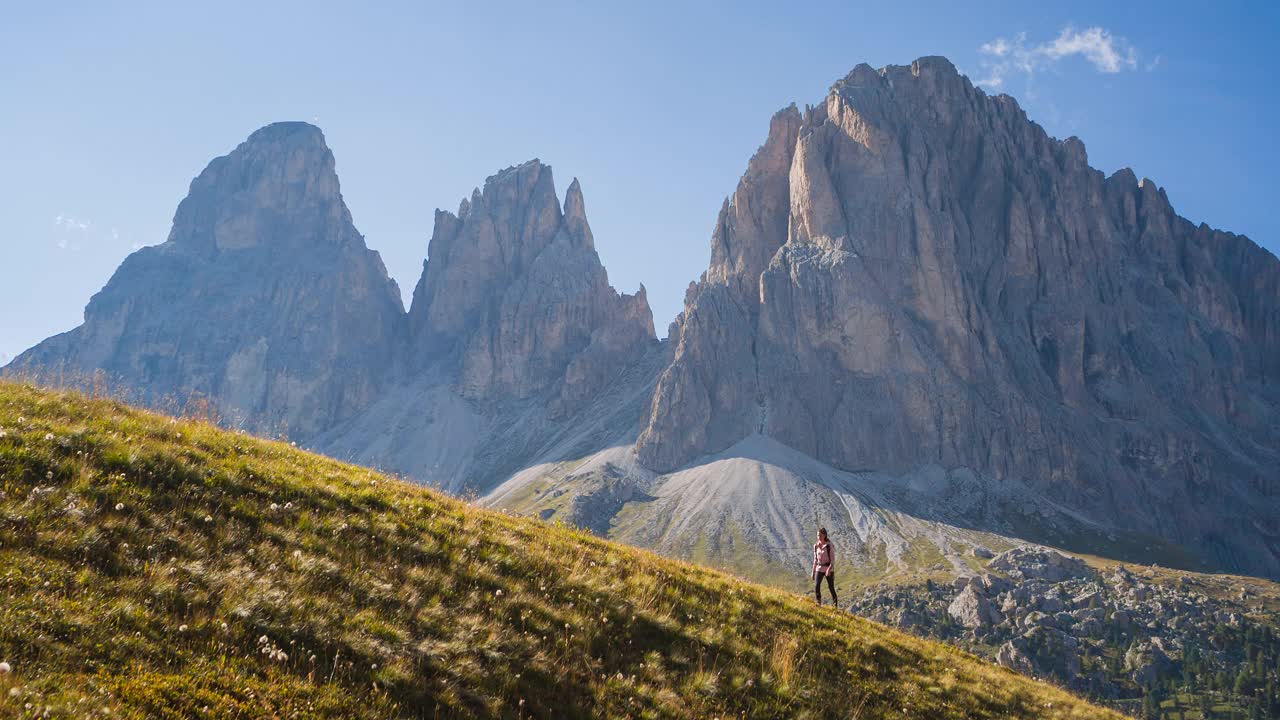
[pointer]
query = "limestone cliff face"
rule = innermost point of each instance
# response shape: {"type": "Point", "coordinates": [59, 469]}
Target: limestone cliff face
{"type": "Point", "coordinates": [513, 294]}
{"type": "Point", "coordinates": [264, 298]}
{"type": "Point", "coordinates": [946, 284]}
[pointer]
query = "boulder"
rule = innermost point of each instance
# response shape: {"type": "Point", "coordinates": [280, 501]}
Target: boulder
{"type": "Point", "coordinates": [973, 610]}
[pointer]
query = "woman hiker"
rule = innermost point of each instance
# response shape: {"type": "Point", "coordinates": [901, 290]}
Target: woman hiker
{"type": "Point", "coordinates": [824, 559]}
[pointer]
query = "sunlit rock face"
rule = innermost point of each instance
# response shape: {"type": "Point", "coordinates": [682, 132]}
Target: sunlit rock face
{"type": "Point", "coordinates": [912, 272]}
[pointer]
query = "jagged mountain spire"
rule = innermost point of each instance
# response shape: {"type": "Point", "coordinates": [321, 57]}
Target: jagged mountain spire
{"type": "Point", "coordinates": [514, 291]}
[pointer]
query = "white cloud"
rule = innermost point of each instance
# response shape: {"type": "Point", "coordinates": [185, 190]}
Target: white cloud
{"type": "Point", "coordinates": [1005, 57]}
{"type": "Point", "coordinates": [72, 226]}
{"type": "Point", "coordinates": [69, 223]}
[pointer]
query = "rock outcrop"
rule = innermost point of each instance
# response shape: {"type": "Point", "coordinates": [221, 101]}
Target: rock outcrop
{"type": "Point", "coordinates": [972, 610]}
{"type": "Point", "coordinates": [1106, 633]}
{"type": "Point", "coordinates": [945, 284]}
{"type": "Point", "coordinates": [264, 299]}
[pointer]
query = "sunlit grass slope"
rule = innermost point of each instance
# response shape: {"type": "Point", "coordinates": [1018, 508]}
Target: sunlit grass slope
{"type": "Point", "coordinates": [159, 568]}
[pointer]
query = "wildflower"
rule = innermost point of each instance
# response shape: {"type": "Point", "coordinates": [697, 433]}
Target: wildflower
{"type": "Point", "coordinates": [288, 506]}
{"type": "Point", "coordinates": [48, 475]}
{"type": "Point", "coordinates": [48, 437]}
{"type": "Point", "coordinates": [21, 420]}
{"type": "Point", "coordinates": [208, 518]}
{"type": "Point", "coordinates": [2, 432]}
{"type": "Point", "coordinates": [223, 627]}
{"type": "Point", "coordinates": [297, 553]}
{"type": "Point", "coordinates": [373, 666]}
{"type": "Point", "coordinates": [499, 592]}
{"type": "Point", "coordinates": [5, 668]}
{"type": "Point", "coordinates": [14, 692]}
{"type": "Point", "coordinates": [182, 628]}
{"type": "Point", "coordinates": [263, 640]}
{"type": "Point", "coordinates": [274, 507]}
{"type": "Point", "coordinates": [119, 507]}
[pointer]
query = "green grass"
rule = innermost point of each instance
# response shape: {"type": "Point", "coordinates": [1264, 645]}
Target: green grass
{"type": "Point", "coordinates": [162, 568]}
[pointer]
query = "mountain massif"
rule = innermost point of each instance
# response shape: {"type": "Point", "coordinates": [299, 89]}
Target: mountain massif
{"type": "Point", "coordinates": [912, 273]}
{"type": "Point", "coordinates": [925, 324]}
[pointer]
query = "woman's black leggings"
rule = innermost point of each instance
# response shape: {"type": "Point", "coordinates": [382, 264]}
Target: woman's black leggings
{"type": "Point", "coordinates": [831, 585]}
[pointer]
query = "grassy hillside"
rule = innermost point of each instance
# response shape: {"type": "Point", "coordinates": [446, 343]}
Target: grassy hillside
{"type": "Point", "coordinates": [152, 567]}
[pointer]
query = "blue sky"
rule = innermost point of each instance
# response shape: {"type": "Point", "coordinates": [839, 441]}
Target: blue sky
{"type": "Point", "coordinates": [108, 110]}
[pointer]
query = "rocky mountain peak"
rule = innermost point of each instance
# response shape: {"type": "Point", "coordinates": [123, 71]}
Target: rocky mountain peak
{"type": "Point", "coordinates": [515, 294]}
{"type": "Point", "coordinates": [282, 174]}
{"type": "Point", "coordinates": [753, 221]}
{"type": "Point", "coordinates": [471, 255]}
{"type": "Point", "coordinates": [264, 299]}
{"type": "Point", "coordinates": [914, 273]}
{"type": "Point", "coordinates": [575, 215]}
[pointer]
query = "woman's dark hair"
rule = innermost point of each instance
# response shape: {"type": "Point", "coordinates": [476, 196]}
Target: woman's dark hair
{"type": "Point", "coordinates": [822, 531]}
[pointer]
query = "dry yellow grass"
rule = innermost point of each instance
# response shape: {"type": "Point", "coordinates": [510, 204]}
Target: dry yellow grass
{"type": "Point", "coordinates": [152, 567]}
